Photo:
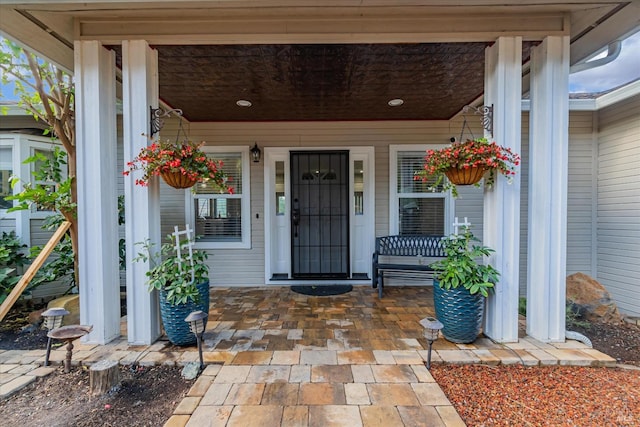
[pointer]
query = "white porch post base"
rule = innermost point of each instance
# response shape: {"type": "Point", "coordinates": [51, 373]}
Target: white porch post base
{"type": "Point", "coordinates": [96, 135]}
{"type": "Point", "coordinates": [503, 89]}
{"type": "Point", "coordinates": [142, 204]}
{"type": "Point", "coordinates": [548, 152]}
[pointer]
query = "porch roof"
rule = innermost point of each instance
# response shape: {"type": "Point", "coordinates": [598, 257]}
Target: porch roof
{"type": "Point", "coordinates": [313, 60]}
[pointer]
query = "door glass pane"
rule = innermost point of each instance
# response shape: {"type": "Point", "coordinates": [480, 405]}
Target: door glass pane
{"type": "Point", "coordinates": [279, 178]}
{"type": "Point", "coordinates": [358, 187]}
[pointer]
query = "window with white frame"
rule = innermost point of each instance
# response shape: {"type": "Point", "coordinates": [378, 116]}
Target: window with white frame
{"type": "Point", "coordinates": [6, 170]}
{"type": "Point", "coordinates": [414, 209]}
{"type": "Point", "coordinates": [222, 220]}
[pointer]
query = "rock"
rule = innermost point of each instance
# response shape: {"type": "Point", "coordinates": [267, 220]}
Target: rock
{"type": "Point", "coordinates": [35, 317]}
{"type": "Point", "coordinates": [71, 303]}
{"type": "Point", "coordinates": [590, 299]}
{"type": "Point", "coordinates": [191, 370]}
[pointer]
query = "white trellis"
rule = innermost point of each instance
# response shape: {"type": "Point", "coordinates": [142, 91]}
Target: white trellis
{"type": "Point", "coordinates": [457, 225]}
{"type": "Point", "coordinates": [184, 244]}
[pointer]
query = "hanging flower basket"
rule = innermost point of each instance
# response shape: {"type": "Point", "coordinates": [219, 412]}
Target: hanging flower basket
{"type": "Point", "coordinates": [177, 179]}
{"type": "Point", "coordinates": [468, 176]}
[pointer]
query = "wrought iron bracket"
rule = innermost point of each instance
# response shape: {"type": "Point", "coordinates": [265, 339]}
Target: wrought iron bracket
{"type": "Point", "coordinates": [486, 111]}
{"type": "Point", "coordinates": [157, 114]}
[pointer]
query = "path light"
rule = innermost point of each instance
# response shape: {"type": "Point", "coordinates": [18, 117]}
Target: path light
{"type": "Point", "coordinates": [432, 328]}
{"type": "Point", "coordinates": [52, 320]}
{"type": "Point", "coordinates": [197, 321]}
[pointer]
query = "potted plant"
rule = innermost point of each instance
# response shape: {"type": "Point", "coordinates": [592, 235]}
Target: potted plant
{"type": "Point", "coordinates": [182, 282]}
{"type": "Point", "coordinates": [180, 164]}
{"type": "Point", "coordinates": [466, 163]}
{"type": "Point", "coordinates": [461, 284]}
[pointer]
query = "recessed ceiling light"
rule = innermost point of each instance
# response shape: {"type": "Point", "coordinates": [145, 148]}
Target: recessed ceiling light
{"type": "Point", "coordinates": [395, 102]}
{"type": "Point", "coordinates": [243, 103]}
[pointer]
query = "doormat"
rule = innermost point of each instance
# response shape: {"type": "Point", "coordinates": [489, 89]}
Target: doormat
{"type": "Point", "coordinates": [322, 290]}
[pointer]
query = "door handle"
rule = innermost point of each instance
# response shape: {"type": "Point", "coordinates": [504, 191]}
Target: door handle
{"type": "Point", "coordinates": [295, 219]}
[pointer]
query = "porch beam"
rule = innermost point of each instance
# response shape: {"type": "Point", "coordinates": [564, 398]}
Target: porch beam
{"type": "Point", "coordinates": [142, 204]}
{"type": "Point", "coordinates": [409, 25]}
{"type": "Point", "coordinates": [96, 135]}
{"type": "Point", "coordinates": [503, 88]}
{"type": "Point", "coordinates": [548, 164]}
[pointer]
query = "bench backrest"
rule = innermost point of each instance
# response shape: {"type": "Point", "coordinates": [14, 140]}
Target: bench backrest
{"type": "Point", "coordinates": [427, 246]}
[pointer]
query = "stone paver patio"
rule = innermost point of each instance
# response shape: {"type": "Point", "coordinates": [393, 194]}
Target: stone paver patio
{"type": "Point", "coordinates": [275, 357]}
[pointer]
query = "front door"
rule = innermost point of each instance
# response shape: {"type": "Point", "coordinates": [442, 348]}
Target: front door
{"type": "Point", "coordinates": [320, 214]}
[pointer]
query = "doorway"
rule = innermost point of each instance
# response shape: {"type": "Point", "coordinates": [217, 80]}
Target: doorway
{"type": "Point", "coordinates": [319, 214]}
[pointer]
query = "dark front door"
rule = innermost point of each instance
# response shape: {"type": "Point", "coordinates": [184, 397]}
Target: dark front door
{"type": "Point", "coordinates": [320, 214]}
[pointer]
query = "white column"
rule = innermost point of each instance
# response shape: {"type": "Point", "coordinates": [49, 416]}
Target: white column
{"type": "Point", "coordinates": [95, 82]}
{"type": "Point", "coordinates": [548, 154]}
{"type": "Point", "coordinates": [142, 204]}
{"type": "Point", "coordinates": [503, 90]}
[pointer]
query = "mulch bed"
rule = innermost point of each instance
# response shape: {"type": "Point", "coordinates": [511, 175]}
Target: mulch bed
{"type": "Point", "coordinates": [541, 396]}
{"type": "Point", "coordinates": [146, 396]}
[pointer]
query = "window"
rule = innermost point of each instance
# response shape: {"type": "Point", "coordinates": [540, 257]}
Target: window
{"type": "Point", "coordinates": [223, 220]}
{"type": "Point", "coordinates": [413, 208]}
{"type": "Point", "coordinates": [6, 169]}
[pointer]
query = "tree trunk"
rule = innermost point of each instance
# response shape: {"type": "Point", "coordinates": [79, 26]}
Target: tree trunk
{"type": "Point", "coordinates": [103, 376]}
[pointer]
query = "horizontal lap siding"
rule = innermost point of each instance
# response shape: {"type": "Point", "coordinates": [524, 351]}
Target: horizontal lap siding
{"type": "Point", "coordinates": [581, 193]}
{"type": "Point", "coordinates": [40, 237]}
{"type": "Point", "coordinates": [618, 222]}
{"type": "Point", "coordinates": [7, 225]}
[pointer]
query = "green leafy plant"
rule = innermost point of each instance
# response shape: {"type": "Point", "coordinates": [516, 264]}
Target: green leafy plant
{"type": "Point", "coordinates": [60, 265]}
{"type": "Point", "coordinates": [461, 266]}
{"type": "Point", "coordinates": [478, 153]}
{"type": "Point", "coordinates": [12, 259]}
{"type": "Point", "coordinates": [172, 274]}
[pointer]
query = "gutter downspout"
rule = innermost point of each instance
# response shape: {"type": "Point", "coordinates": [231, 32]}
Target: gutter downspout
{"type": "Point", "coordinates": [613, 51]}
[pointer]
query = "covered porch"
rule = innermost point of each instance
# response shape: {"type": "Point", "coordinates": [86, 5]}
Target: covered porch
{"type": "Point", "coordinates": [113, 51]}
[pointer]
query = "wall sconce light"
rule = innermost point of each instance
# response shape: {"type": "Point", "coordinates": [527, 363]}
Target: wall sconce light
{"type": "Point", "coordinates": [255, 153]}
{"type": "Point", "coordinates": [432, 328]}
{"type": "Point", "coordinates": [197, 321]}
{"type": "Point", "coordinates": [52, 320]}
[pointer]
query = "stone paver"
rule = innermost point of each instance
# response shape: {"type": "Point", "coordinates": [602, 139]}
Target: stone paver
{"type": "Point", "coordinates": [318, 357]}
{"type": "Point", "coordinates": [321, 394]}
{"type": "Point", "coordinates": [187, 406]}
{"type": "Point", "coordinates": [356, 394]}
{"type": "Point", "coordinates": [232, 374]}
{"type": "Point", "coordinates": [281, 394]}
{"type": "Point", "coordinates": [295, 416]}
{"type": "Point", "coordinates": [252, 358]}
{"type": "Point", "coordinates": [420, 416]}
{"type": "Point", "coordinates": [285, 357]}
{"type": "Point", "coordinates": [334, 416]}
{"type": "Point", "coordinates": [430, 394]}
{"type": "Point", "coordinates": [269, 374]}
{"type": "Point", "coordinates": [393, 374]}
{"type": "Point", "coordinates": [245, 394]}
{"type": "Point", "coordinates": [392, 395]}
{"type": "Point", "coordinates": [331, 374]}
{"type": "Point", "coordinates": [356, 357]}
{"type": "Point", "coordinates": [300, 374]}
{"type": "Point", "coordinates": [362, 374]}
{"type": "Point", "coordinates": [16, 384]}
{"type": "Point", "coordinates": [177, 421]}
{"type": "Point", "coordinates": [450, 416]}
{"type": "Point", "coordinates": [216, 394]}
{"type": "Point", "coordinates": [210, 416]}
{"type": "Point", "coordinates": [380, 416]}
{"type": "Point", "coordinates": [244, 416]}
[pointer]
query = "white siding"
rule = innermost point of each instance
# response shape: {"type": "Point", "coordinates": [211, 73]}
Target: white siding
{"type": "Point", "coordinates": [618, 203]}
{"type": "Point", "coordinates": [7, 225]}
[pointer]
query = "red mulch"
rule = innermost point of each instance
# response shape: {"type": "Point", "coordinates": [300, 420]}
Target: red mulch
{"type": "Point", "coordinates": [541, 396]}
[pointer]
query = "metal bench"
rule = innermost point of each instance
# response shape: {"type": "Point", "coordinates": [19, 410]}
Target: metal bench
{"type": "Point", "coordinates": [404, 256]}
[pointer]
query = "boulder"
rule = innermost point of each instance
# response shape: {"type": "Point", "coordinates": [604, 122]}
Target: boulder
{"type": "Point", "coordinates": [71, 303]}
{"type": "Point", "coordinates": [590, 299]}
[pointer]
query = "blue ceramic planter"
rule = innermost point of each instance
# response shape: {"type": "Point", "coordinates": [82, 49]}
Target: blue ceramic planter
{"type": "Point", "coordinates": [460, 313]}
{"type": "Point", "coordinates": [173, 316]}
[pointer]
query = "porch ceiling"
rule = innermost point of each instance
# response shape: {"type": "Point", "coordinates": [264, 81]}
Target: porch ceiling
{"type": "Point", "coordinates": [321, 81]}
